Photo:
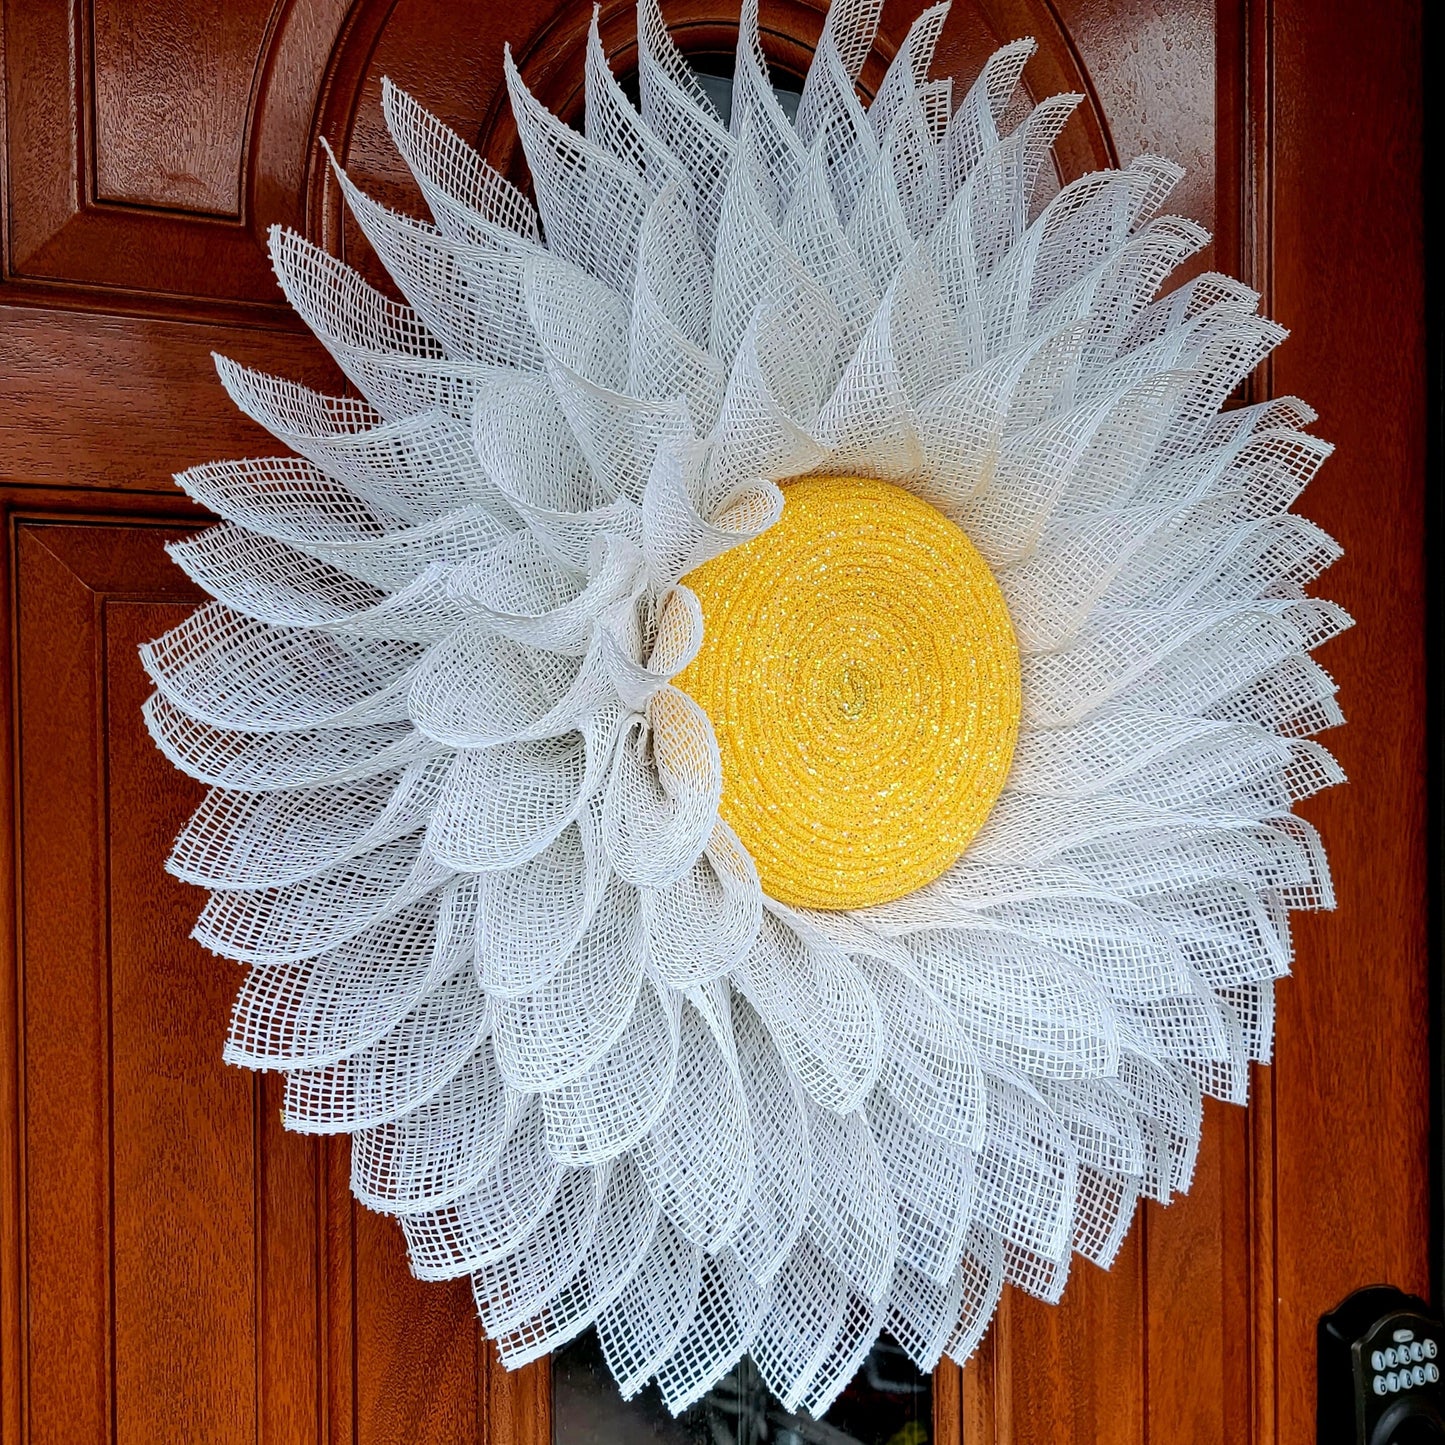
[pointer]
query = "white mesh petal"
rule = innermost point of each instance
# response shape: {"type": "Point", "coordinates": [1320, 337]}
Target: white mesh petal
{"type": "Point", "coordinates": [441, 1149]}
{"type": "Point", "coordinates": [605, 1112]}
{"type": "Point", "coordinates": [270, 762]}
{"type": "Point", "coordinates": [782, 1176]}
{"type": "Point", "coordinates": [852, 1217]}
{"type": "Point", "coordinates": [698, 1157]}
{"type": "Point", "coordinates": [932, 1190]}
{"type": "Point", "coordinates": [315, 1011]}
{"type": "Point", "coordinates": [557, 1031]}
{"type": "Point", "coordinates": [730, 1305]}
{"type": "Point", "coordinates": [821, 1014]}
{"type": "Point", "coordinates": [531, 917]}
{"type": "Point", "coordinates": [503, 805]}
{"type": "Point", "coordinates": [626, 1224]}
{"type": "Point", "coordinates": [703, 924]}
{"type": "Point", "coordinates": [397, 1074]}
{"type": "Point", "coordinates": [515, 1286]}
{"type": "Point", "coordinates": [641, 1327]}
{"type": "Point", "coordinates": [660, 807]}
{"type": "Point", "coordinates": [809, 1298]}
{"type": "Point", "coordinates": [299, 920]}
{"type": "Point", "coordinates": [230, 841]}
{"type": "Point", "coordinates": [492, 1218]}
{"type": "Point", "coordinates": [231, 672]}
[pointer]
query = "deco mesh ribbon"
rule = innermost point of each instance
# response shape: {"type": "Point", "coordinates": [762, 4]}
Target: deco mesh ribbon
{"type": "Point", "coordinates": [470, 835]}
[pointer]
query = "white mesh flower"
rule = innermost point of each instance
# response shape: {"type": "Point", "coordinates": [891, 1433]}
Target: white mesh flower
{"type": "Point", "coordinates": [469, 834]}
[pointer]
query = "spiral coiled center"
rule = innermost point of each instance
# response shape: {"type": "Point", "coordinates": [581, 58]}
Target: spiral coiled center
{"type": "Point", "coordinates": [862, 677]}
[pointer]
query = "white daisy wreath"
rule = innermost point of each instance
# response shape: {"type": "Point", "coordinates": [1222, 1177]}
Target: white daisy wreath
{"type": "Point", "coordinates": [822, 1007]}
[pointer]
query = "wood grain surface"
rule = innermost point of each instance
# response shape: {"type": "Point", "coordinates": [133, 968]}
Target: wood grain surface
{"type": "Point", "coordinates": [173, 1265]}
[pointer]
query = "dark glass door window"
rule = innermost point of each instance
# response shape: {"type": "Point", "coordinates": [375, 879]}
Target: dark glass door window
{"type": "Point", "coordinates": [887, 1403]}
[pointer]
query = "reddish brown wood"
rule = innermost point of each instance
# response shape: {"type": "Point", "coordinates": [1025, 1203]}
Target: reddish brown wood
{"type": "Point", "coordinates": [146, 149]}
{"type": "Point", "coordinates": [212, 1206]}
{"type": "Point", "coordinates": [1344, 265]}
{"type": "Point", "coordinates": [187, 1270]}
{"type": "Point", "coordinates": [1325, 1186]}
{"type": "Point", "coordinates": [165, 83]}
{"type": "Point", "coordinates": [948, 1421]}
{"type": "Point", "coordinates": [123, 402]}
{"type": "Point", "coordinates": [518, 1403]}
{"type": "Point", "coordinates": [1151, 72]}
{"type": "Point", "coordinates": [169, 1224]}
{"type": "Point", "coordinates": [420, 1361]}
{"type": "Point", "coordinates": [1197, 1326]}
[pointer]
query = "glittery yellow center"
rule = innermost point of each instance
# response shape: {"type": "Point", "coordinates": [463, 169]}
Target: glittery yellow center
{"type": "Point", "coordinates": [862, 677]}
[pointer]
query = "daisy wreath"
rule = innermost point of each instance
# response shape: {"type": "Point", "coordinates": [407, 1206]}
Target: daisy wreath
{"type": "Point", "coordinates": [752, 764]}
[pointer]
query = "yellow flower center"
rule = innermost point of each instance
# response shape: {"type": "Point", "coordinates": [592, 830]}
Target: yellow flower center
{"type": "Point", "coordinates": [862, 677]}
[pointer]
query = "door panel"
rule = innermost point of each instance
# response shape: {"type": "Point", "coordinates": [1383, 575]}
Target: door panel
{"type": "Point", "coordinates": [175, 1266]}
{"type": "Point", "coordinates": [1342, 1139]}
{"type": "Point", "coordinates": [171, 1262]}
{"type": "Point", "coordinates": [189, 1270]}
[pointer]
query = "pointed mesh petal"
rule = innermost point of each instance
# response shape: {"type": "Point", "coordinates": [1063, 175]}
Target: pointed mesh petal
{"type": "Point", "coordinates": [608, 1110]}
{"type": "Point", "coordinates": [469, 199]}
{"type": "Point", "coordinates": [315, 1011]}
{"type": "Point", "coordinates": [640, 1329]}
{"type": "Point", "coordinates": [491, 1219]}
{"type": "Point", "coordinates": [511, 1289]}
{"type": "Point", "coordinates": [730, 1305]}
{"type": "Point", "coordinates": [234, 673]}
{"type": "Point", "coordinates": [782, 1177]}
{"type": "Point", "coordinates": [442, 1148]}
{"type": "Point", "coordinates": [503, 805]}
{"type": "Point", "coordinates": [820, 1013]}
{"type": "Point", "coordinates": [419, 467]}
{"type": "Point", "coordinates": [400, 1072]}
{"type": "Point", "coordinates": [698, 1157]}
{"type": "Point", "coordinates": [560, 1029]}
{"type": "Point", "coordinates": [626, 1224]}
{"type": "Point", "coordinates": [531, 917]}
{"type": "Point", "coordinates": [297, 921]}
{"type": "Point", "coordinates": [703, 924]}
{"type": "Point", "coordinates": [853, 1218]}
{"type": "Point", "coordinates": [809, 1300]}
{"type": "Point", "coordinates": [231, 840]}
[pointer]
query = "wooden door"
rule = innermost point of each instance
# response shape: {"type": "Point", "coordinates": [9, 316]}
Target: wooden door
{"type": "Point", "coordinates": [174, 1267]}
